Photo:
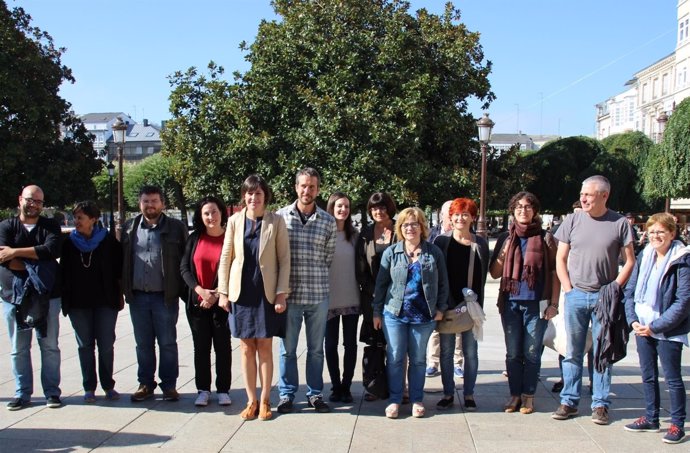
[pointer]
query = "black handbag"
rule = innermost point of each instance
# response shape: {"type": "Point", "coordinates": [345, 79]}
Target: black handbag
{"type": "Point", "coordinates": [374, 370]}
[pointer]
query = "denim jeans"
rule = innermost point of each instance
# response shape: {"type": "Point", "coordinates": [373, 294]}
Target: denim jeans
{"type": "Point", "coordinates": [471, 362]}
{"type": "Point", "coordinates": [314, 316]}
{"type": "Point", "coordinates": [155, 321]}
{"type": "Point", "coordinates": [95, 326]}
{"type": "Point", "coordinates": [210, 328]}
{"type": "Point", "coordinates": [579, 311]}
{"type": "Point", "coordinates": [669, 353]}
{"type": "Point", "coordinates": [21, 353]}
{"type": "Point", "coordinates": [349, 343]}
{"type": "Point", "coordinates": [405, 339]}
{"type": "Point", "coordinates": [524, 336]}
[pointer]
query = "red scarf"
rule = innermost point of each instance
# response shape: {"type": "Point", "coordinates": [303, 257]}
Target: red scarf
{"type": "Point", "coordinates": [515, 264]}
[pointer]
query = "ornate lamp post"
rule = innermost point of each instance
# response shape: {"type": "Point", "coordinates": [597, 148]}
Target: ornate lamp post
{"type": "Point", "coordinates": [484, 126]}
{"type": "Point", "coordinates": [119, 133]}
{"type": "Point", "coordinates": [111, 173]}
{"type": "Point", "coordinates": [662, 119]}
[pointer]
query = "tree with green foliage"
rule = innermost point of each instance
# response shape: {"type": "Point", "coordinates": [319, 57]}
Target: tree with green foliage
{"type": "Point", "coordinates": [41, 141]}
{"type": "Point", "coordinates": [667, 172]}
{"type": "Point", "coordinates": [374, 97]}
{"type": "Point", "coordinates": [634, 148]}
{"type": "Point", "coordinates": [155, 170]}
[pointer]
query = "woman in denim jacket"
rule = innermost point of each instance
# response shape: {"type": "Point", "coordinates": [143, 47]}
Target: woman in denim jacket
{"type": "Point", "coordinates": [657, 307]}
{"type": "Point", "coordinates": [411, 295]}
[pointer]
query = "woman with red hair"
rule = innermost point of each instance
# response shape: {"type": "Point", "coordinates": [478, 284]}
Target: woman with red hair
{"type": "Point", "coordinates": [467, 261]}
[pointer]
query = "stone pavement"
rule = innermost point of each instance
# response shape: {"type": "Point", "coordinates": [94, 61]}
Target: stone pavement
{"type": "Point", "coordinates": [358, 427]}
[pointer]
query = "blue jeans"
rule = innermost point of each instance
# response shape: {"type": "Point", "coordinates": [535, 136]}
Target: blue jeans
{"type": "Point", "coordinates": [154, 320]}
{"type": "Point", "coordinates": [471, 362]}
{"type": "Point", "coordinates": [579, 311]}
{"type": "Point", "coordinates": [349, 343]}
{"type": "Point", "coordinates": [405, 339]}
{"type": "Point", "coordinates": [21, 353]}
{"type": "Point", "coordinates": [669, 352]}
{"type": "Point", "coordinates": [315, 316]}
{"type": "Point", "coordinates": [95, 326]}
{"type": "Point", "coordinates": [524, 336]}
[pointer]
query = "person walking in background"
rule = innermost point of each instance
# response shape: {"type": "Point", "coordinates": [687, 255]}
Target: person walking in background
{"type": "Point", "coordinates": [525, 259]}
{"type": "Point", "coordinates": [433, 353]}
{"type": "Point", "coordinates": [207, 320]}
{"type": "Point", "coordinates": [153, 245]}
{"type": "Point", "coordinates": [589, 244]}
{"type": "Point", "coordinates": [30, 236]}
{"type": "Point", "coordinates": [467, 260]}
{"type": "Point", "coordinates": [253, 285]}
{"type": "Point", "coordinates": [91, 265]}
{"type": "Point", "coordinates": [410, 296]}
{"type": "Point", "coordinates": [312, 233]}
{"type": "Point", "coordinates": [657, 306]}
{"type": "Point", "coordinates": [343, 301]}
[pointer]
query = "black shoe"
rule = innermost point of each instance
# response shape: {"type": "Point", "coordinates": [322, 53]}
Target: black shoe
{"type": "Point", "coordinates": [285, 406]}
{"type": "Point", "coordinates": [335, 396]}
{"type": "Point", "coordinates": [318, 404]}
{"type": "Point", "coordinates": [53, 402]}
{"type": "Point", "coordinates": [470, 404]}
{"type": "Point", "coordinates": [17, 403]}
{"type": "Point", "coordinates": [445, 403]}
{"type": "Point", "coordinates": [557, 387]}
{"type": "Point", "coordinates": [347, 397]}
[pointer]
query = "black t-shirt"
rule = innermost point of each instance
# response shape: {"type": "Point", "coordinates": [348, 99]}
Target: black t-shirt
{"type": "Point", "coordinates": [457, 263]}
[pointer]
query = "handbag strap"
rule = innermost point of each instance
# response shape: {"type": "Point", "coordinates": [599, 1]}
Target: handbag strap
{"type": "Point", "coordinates": [470, 267]}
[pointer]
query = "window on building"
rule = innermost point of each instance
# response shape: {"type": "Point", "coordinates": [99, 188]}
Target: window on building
{"type": "Point", "coordinates": [644, 93]}
{"type": "Point", "coordinates": [139, 151]}
{"type": "Point", "coordinates": [655, 88]}
{"type": "Point", "coordinates": [149, 150]}
{"type": "Point", "coordinates": [681, 31]}
{"type": "Point", "coordinates": [664, 84]}
{"type": "Point", "coordinates": [631, 111]}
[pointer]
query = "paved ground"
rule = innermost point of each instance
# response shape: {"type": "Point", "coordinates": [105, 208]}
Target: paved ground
{"type": "Point", "coordinates": [358, 427]}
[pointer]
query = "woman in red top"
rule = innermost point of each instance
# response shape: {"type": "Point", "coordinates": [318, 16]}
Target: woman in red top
{"type": "Point", "coordinates": [208, 322]}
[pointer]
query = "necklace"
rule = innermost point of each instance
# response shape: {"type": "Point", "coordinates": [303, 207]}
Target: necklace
{"type": "Point", "coordinates": [414, 253]}
{"type": "Point", "coordinates": [81, 256]}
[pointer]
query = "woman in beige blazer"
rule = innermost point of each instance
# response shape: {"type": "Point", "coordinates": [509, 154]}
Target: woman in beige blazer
{"type": "Point", "coordinates": [253, 282]}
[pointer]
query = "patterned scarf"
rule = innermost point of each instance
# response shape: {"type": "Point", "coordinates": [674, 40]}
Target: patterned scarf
{"type": "Point", "coordinates": [515, 264]}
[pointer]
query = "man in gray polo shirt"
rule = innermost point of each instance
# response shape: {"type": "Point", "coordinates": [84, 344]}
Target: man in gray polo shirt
{"type": "Point", "coordinates": [590, 242]}
{"type": "Point", "coordinates": [153, 244]}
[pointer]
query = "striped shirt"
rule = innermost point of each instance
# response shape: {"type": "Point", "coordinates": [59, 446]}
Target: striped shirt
{"type": "Point", "coordinates": [311, 252]}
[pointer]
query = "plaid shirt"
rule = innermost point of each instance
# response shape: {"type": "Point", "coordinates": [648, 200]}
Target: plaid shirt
{"type": "Point", "coordinates": [311, 252]}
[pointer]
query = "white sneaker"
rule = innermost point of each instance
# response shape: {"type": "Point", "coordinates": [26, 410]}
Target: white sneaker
{"type": "Point", "coordinates": [224, 399]}
{"type": "Point", "coordinates": [202, 398]}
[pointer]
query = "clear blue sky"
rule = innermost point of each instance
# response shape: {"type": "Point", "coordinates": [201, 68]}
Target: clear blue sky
{"type": "Point", "coordinates": [553, 59]}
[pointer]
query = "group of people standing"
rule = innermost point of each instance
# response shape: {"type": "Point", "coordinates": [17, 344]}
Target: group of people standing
{"type": "Point", "coordinates": [260, 274]}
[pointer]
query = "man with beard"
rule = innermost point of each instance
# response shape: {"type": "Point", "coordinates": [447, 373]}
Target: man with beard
{"type": "Point", "coordinates": [312, 233]}
{"type": "Point", "coordinates": [30, 236]}
{"type": "Point", "coordinates": [153, 244]}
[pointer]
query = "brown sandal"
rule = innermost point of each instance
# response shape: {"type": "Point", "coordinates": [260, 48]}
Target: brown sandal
{"type": "Point", "coordinates": [251, 411]}
{"type": "Point", "coordinates": [512, 405]}
{"type": "Point", "coordinates": [527, 404]}
{"type": "Point", "coordinates": [265, 411]}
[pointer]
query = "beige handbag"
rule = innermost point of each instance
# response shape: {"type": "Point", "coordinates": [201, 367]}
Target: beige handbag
{"type": "Point", "coordinates": [458, 319]}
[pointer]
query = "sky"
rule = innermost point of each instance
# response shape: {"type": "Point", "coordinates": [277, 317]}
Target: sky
{"type": "Point", "coordinates": [553, 60]}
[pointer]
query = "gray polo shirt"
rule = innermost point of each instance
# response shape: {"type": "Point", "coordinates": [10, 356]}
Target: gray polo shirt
{"type": "Point", "coordinates": [147, 257]}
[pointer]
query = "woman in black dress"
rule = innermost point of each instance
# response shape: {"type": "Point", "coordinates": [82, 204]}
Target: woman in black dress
{"type": "Point", "coordinates": [253, 282]}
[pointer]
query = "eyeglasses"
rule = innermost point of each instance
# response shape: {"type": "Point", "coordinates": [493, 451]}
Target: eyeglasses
{"type": "Point", "coordinates": [32, 201]}
{"type": "Point", "coordinates": [411, 225]}
{"type": "Point", "coordinates": [657, 233]}
{"type": "Point", "coordinates": [524, 207]}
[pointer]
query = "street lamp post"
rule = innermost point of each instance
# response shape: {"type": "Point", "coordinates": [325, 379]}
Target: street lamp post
{"type": "Point", "coordinates": [484, 126]}
{"type": "Point", "coordinates": [111, 173]}
{"type": "Point", "coordinates": [119, 133]}
{"type": "Point", "coordinates": [662, 119]}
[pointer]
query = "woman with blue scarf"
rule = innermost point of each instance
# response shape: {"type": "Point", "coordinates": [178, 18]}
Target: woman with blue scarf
{"type": "Point", "coordinates": [657, 307]}
{"type": "Point", "coordinates": [91, 264]}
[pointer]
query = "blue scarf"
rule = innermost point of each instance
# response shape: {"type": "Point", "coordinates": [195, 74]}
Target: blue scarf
{"type": "Point", "coordinates": [647, 260]}
{"type": "Point", "coordinates": [88, 245]}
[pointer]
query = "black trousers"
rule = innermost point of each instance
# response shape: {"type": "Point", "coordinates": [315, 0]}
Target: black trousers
{"type": "Point", "coordinates": [331, 348]}
{"type": "Point", "coordinates": [210, 328]}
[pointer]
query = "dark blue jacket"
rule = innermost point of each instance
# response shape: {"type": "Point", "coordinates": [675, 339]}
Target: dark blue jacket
{"type": "Point", "coordinates": [674, 294]}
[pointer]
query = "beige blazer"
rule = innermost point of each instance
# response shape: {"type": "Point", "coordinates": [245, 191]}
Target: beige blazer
{"type": "Point", "coordinates": [274, 256]}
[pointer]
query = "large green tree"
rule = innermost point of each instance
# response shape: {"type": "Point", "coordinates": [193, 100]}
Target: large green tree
{"type": "Point", "coordinates": [667, 173]}
{"type": "Point", "coordinates": [41, 142]}
{"type": "Point", "coordinates": [372, 95]}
